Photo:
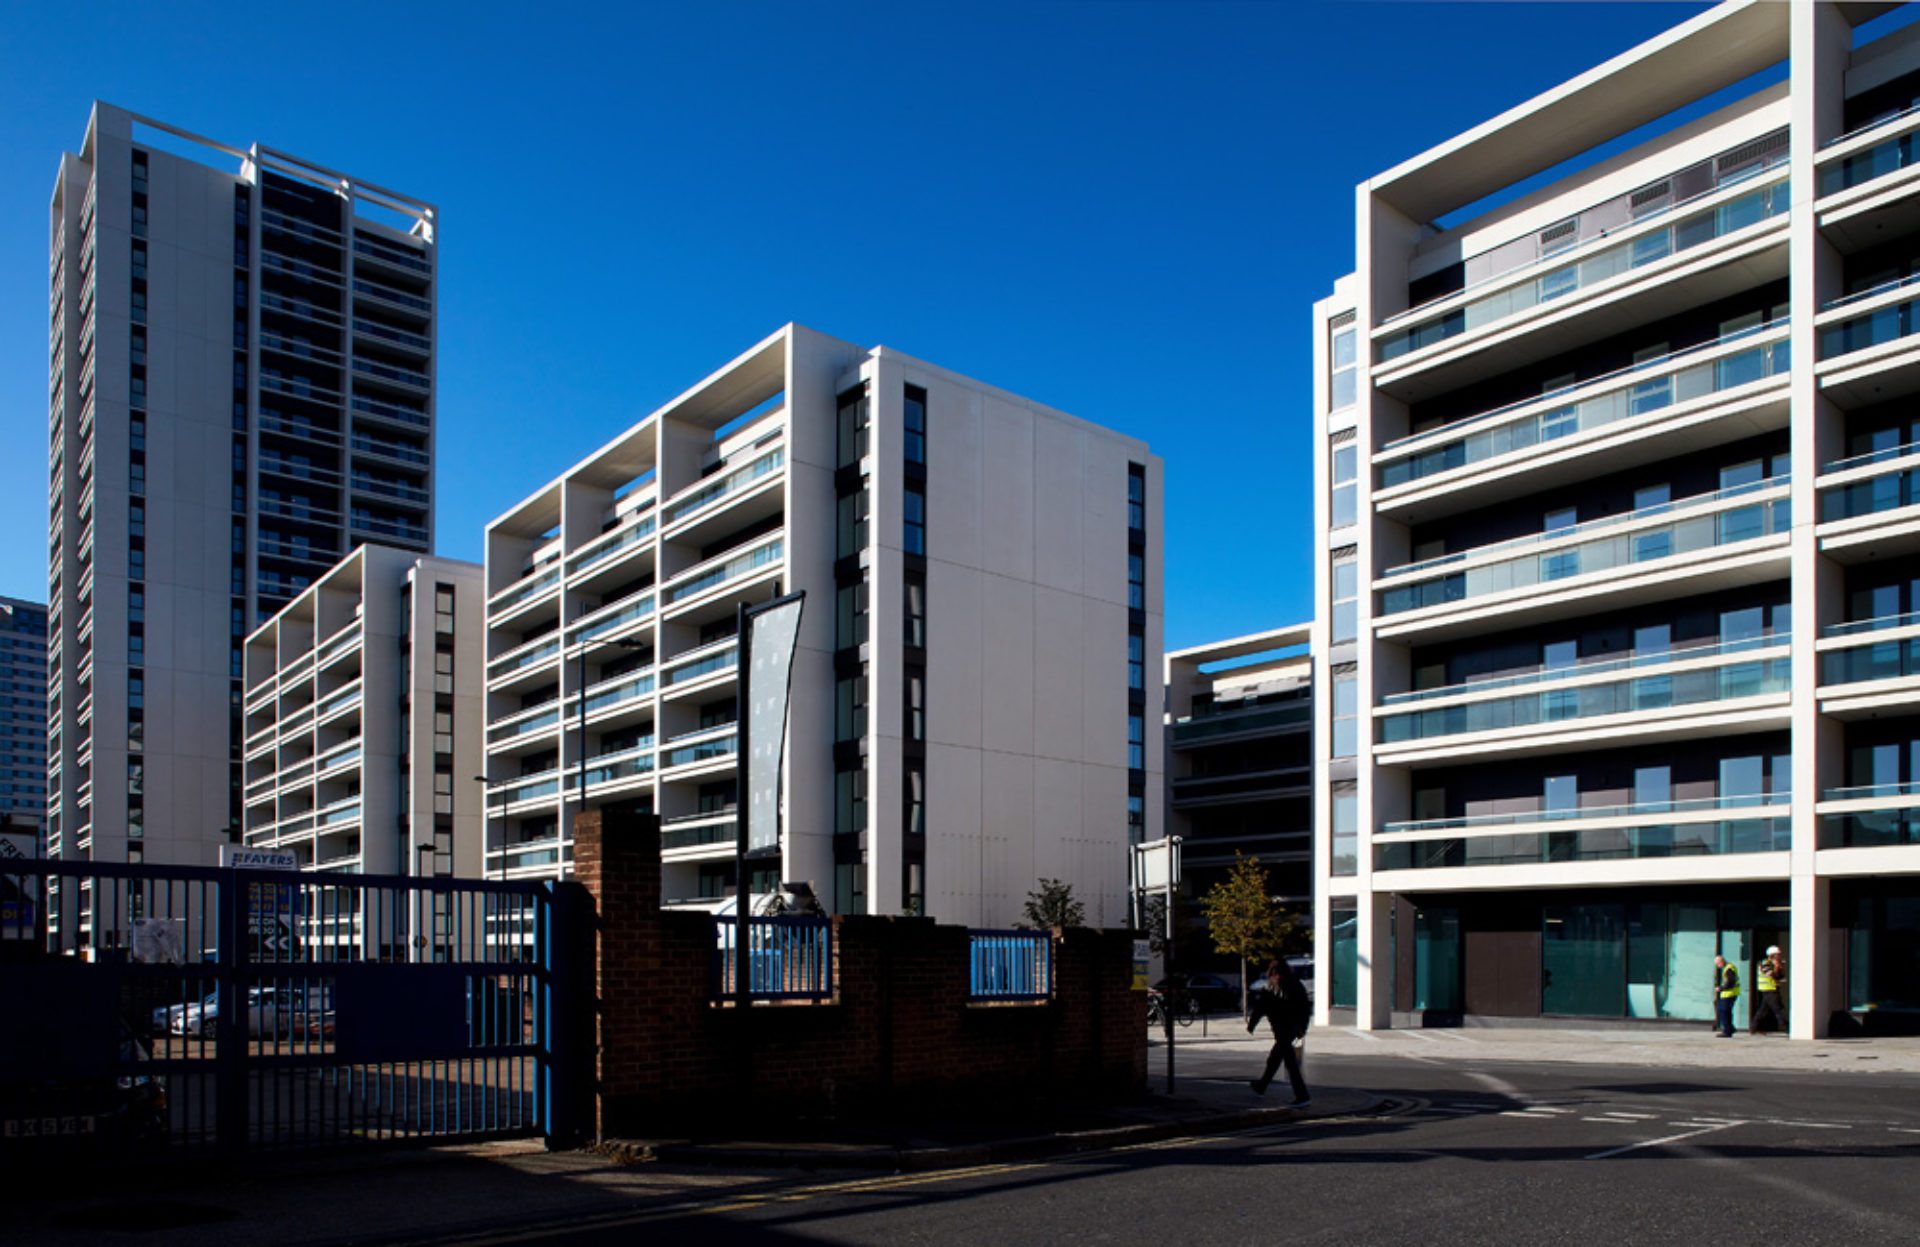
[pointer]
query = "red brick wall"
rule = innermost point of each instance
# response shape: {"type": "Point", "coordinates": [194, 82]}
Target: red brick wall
{"type": "Point", "coordinates": [899, 1035]}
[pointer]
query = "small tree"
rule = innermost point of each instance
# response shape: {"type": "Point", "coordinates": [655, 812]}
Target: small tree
{"type": "Point", "coordinates": [1052, 905]}
{"type": "Point", "coordinates": [1243, 919]}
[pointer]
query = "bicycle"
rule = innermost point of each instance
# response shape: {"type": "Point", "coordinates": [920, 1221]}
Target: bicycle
{"type": "Point", "coordinates": [1185, 1009]}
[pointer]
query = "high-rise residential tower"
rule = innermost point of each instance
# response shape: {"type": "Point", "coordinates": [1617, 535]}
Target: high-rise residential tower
{"type": "Point", "coordinates": [1619, 553]}
{"type": "Point", "coordinates": [240, 391]}
{"type": "Point", "coordinates": [23, 713]}
{"type": "Point", "coordinates": [976, 694]}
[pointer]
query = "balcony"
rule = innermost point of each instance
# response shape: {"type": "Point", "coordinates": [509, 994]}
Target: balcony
{"type": "Point", "coordinates": [386, 372]}
{"type": "Point", "coordinates": [526, 855]}
{"type": "Point", "coordinates": [390, 253]}
{"type": "Point", "coordinates": [713, 744]}
{"type": "Point", "coordinates": [347, 699]}
{"type": "Point", "coordinates": [388, 295]}
{"type": "Point", "coordinates": [523, 788]}
{"type": "Point", "coordinates": [690, 831]}
{"type": "Point", "coordinates": [1876, 484]}
{"type": "Point", "coordinates": [691, 502]}
{"type": "Point", "coordinates": [1240, 721]}
{"type": "Point", "coordinates": [335, 816]}
{"type": "Point", "coordinates": [396, 451]}
{"type": "Point", "coordinates": [1740, 513]}
{"type": "Point", "coordinates": [526, 723]}
{"type": "Point", "coordinates": [535, 584]}
{"type": "Point", "coordinates": [333, 759]}
{"type": "Point", "coordinates": [718, 571]}
{"type": "Point", "coordinates": [1870, 153]}
{"type": "Point", "coordinates": [538, 653]}
{"type": "Point", "coordinates": [1527, 288]}
{"type": "Point", "coordinates": [612, 618]}
{"type": "Point", "coordinates": [694, 664]}
{"type": "Point", "coordinates": [385, 487]}
{"type": "Point", "coordinates": [610, 768]}
{"type": "Point", "coordinates": [612, 545]}
{"type": "Point", "coordinates": [1590, 844]}
{"type": "Point", "coordinates": [1870, 816]}
{"type": "Point", "coordinates": [339, 643]}
{"type": "Point", "coordinates": [1697, 676]}
{"type": "Point", "coordinates": [620, 691]}
{"type": "Point", "coordinates": [400, 412]}
{"type": "Point", "coordinates": [1678, 379]}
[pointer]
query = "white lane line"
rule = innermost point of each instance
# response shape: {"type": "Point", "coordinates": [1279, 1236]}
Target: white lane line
{"type": "Point", "coordinates": [1456, 1036]}
{"type": "Point", "coordinates": [1548, 1108]}
{"type": "Point", "coordinates": [1369, 1036]}
{"type": "Point", "coordinates": [1611, 1121]}
{"type": "Point", "coordinates": [1902, 1130]}
{"type": "Point", "coordinates": [1631, 1116]}
{"type": "Point", "coordinates": [1521, 1112]}
{"type": "Point", "coordinates": [1818, 1125]}
{"type": "Point", "coordinates": [1417, 1035]}
{"type": "Point", "coordinates": [1672, 1138]}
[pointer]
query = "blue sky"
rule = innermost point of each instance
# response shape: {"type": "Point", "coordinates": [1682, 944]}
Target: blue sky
{"type": "Point", "coordinates": [1124, 210]}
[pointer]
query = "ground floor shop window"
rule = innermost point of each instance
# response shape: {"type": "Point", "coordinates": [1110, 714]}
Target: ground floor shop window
{"type": "Point", "coordinates": [1883, 954]}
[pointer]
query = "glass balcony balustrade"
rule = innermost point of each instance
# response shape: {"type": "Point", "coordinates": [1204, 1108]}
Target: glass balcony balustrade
{"type": "Point", "coordinates": [1875, 660]}
{"type": "Point", "coordinates": [716, 572]}
{"type": "Point", "coordinates": [523, 727]}
{"type": "Point", "coordinates": [1637, 391]}
{"type": "Point", "coordinates": [627, 764]}
{"type": "Point", "coordinates": [627, 688]}
{"type": "Point", "coordinates": [1753, 208]}
{"type": "Point", "coordinates": [1889, 490]}
{"type": "Point", "coordinates": [1898, 152]}
{"type": "Point", "coordinates": [1649, 692]}
{"type": "Point", "coordinates": [700, 751]}
{"type": "Point", "coordinates": [526, 589]}
{"type": "Point", "coordinates": [1888, 322]}
{"type": "Point", "coordinates": [1258, 718]}
{"type": "Point", "coordinates": [612, 545]}
{"type": "Point", "coordinates": [731, 483]}
{"type": "Point", "coordinates": [1647, 811]}
{"type": "Point", "coordinates": [511, 663]}
{"type": "Point", "coordinates": [1588, 844]}
{"type": "Point", "coordinates": [524, 788]}
{"type": "Point", "coordinates": [724, 657]}
{"type": "Point", "coordinates": [599, 624]}
{"type": "Point", "coordinates": [1731, 521]}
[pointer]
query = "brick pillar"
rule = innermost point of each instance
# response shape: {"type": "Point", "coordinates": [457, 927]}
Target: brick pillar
{"type": "Point", "coordinates": [616, 857]}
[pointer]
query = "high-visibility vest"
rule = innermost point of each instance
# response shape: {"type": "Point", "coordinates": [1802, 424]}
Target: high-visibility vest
{"type": "Point", "coordinates": [1763, 978]}
{"type": "Point", "coordinates": [1729, 984]}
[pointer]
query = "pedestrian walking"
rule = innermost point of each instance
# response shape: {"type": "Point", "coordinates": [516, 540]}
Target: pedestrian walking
{"type": "Point", "coordinates": [1726, 990]}
{"type": "Point", "coordinates": [1769, 981]}
{"type": "Point", "coordinates": [1284, 1006]}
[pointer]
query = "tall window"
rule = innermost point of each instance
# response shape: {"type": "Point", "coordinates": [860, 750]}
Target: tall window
{"type": "Point", "coordinates": [916, 612]}
{"type": "Point", "coordinates": [1346, 712]}
{"type": "Point", "coordinates": [1344, 815]}
{"type": "Point", "coordinates": [1136, 741]}
{"type": "Point", "coordinates": [916, 716]}
{"type": "Point", "coordinates": [852, 427]}
{"type": "Point", "coordinates": [1346, 471]}
{"type": "Point", "coordinates": [914, 538]}
{"type": "Point", "coordinates": [915, 423]}
{"type": "Point", "coordinates": [1136, 661]}
{"type": "Point", "coordinates": [1345, 619]}
{"type": "Point", "coordinates": [1136, 580]}
{"type": "Point", "coordinates": [1343, 372]}
{"type": "Point", "coordinates": [1137, 497]}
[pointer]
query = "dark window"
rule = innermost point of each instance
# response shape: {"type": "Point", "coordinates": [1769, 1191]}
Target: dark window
{"type": "Point", "coordinates": [915, 422]}
{"type": "Point", "coordinates": [852, 424]}
{"type": "Point", "coordinates": [914, 538]}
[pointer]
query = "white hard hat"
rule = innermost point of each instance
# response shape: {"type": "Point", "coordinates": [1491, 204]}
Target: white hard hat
{"type": "Point", "coordinates": [1773, 950]}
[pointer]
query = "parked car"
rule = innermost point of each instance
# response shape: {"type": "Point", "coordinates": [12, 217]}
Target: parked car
{"type": "Point", "coordinates": [1211, 992]}
{"type": "Point", "coordinates": [166, 1017]}
{"type": "Point", "coordinates": [272, 1011]}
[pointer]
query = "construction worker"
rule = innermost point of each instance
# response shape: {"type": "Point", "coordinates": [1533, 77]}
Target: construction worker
{"type": "Point", "coordinates": [1770, 980]}
{"type": "Point", "coordinates": [1726, 990]}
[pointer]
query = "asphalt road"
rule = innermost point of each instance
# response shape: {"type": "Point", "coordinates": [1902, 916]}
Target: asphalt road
{"type": "Point", "coordinates": [1468, 1153]}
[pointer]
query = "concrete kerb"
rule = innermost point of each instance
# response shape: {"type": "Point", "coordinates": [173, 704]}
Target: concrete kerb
{"type": "Point", "coordinates": [1330, 1102]}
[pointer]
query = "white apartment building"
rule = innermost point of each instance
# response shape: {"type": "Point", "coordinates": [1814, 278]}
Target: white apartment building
{"type": "Point", "coordinates": [364, 706]}
{"type": "Point", "coordinates": [978, 653]}
{"type": "Point", "coordinates": [1240, 763]}
{"type": "Point", "coordinates": [1619, 543]}
{"type": "Point", "coordinates": [241, 368]}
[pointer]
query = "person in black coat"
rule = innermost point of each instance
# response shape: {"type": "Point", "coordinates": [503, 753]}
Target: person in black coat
{"type": "Point", "coordinates": [1284, 1006]}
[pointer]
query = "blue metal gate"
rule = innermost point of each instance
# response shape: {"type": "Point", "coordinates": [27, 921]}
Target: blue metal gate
{"type": "Point", "coordinates": [201, 1009]}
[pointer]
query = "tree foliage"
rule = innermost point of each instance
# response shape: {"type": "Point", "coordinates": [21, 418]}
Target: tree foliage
{"type": "Point", "coordinates": [1052, 905]}
{"type": "Point", "coordinates": [1243, 918]}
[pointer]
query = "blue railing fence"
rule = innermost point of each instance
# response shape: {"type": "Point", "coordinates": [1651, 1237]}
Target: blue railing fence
{"type": "Point", "coordinates": [787, 958]}
{"type": "Point", "coordinates": [1009, 965]}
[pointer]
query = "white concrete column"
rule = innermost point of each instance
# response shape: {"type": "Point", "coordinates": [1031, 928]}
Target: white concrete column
{"type": "Point", "coordinates": [1809, 985]}
{"type": "Point", "coordinates": [1373, 997]}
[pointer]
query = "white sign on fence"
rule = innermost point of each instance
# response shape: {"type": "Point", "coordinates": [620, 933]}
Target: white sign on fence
{"type": "Point", "coordinates": [1156, 865]}
{"type": "Point", "coordinates": [237, 858]}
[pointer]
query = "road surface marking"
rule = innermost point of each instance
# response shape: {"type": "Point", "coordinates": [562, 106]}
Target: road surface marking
{"type": "Point", "coordinates": [1631, 1116]}
{"type": "Point", "coordinates": [1526, 1112]}
{"type": "Point", "coordinates": [1369, 1036]}
{"type": "Point", "coordinates": [1422, 1038]}
{"type": "Point", "coordinates": [1902, 1130]}
{"type": "Point", "coordinates": [1672, 1138]}
{"type": "Point", "coordinates": [1456, 1036]}
{"type": "Point", "coordinates": [1548, 1108]}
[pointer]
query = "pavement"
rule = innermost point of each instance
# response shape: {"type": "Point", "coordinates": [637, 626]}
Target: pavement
{"type": "Point", "coordinates": [429, 1195]}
